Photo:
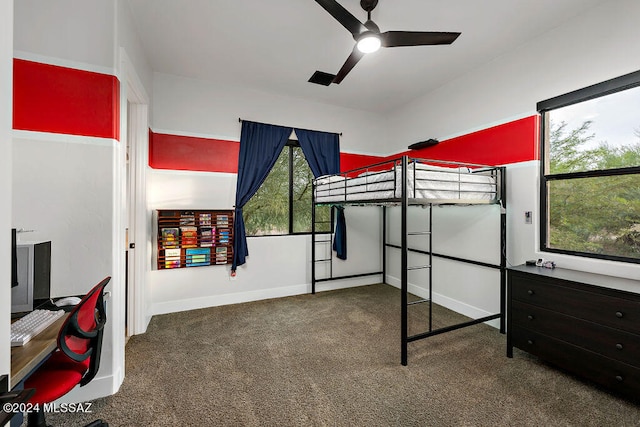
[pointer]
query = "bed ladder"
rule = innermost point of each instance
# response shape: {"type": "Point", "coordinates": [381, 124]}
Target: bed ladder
{"type": "Point", "coordinates": [405, 268]}
{"type": "Point", "coordinates": [327, 238]}
{"type": "Point", "coordinates": [322, 239]}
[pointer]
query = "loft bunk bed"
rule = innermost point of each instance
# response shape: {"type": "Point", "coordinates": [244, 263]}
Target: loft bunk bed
{"type": "Point", "coordinates": [409, 182]}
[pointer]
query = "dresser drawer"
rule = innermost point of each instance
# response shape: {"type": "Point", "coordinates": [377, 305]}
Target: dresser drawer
{"type": "Point", "coordinates": [612, 343]}
{"type": "Point", "coordinates": [612, 374]}
{"type": "Point", "coordinates": [619, 313]}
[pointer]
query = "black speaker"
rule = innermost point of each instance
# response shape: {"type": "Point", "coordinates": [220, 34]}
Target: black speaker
{"type": "Point", "coordinates": [422, 144]}
{"type": "Point", "coordinates": [41, 273]}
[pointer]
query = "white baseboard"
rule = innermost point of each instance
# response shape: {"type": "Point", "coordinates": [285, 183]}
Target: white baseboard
{"type": "Point", "coordinates": [97, 388]}
{"type": "Point", "coordinates": [447, 302]}
{"type": "Point", "coordinates": [346, 283]}
{"type": "Point", "coordinates": [226, 299]}
{"type": "Point", "coordinates": [241, 297]}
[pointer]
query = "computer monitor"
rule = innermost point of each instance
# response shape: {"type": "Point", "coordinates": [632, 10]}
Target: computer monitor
{"type": "Point", "coordinates": [34, 276]}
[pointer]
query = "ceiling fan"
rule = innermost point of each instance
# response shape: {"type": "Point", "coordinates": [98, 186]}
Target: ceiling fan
{"type": "Point", "coordinates": [369, 38]}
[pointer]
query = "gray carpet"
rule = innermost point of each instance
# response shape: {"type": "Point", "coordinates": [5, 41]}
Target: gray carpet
{"type": "Point", "coordinates": [333, 359]}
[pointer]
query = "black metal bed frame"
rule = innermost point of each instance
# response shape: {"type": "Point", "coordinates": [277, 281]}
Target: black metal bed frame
{"type": "Point", "coordinates": [404, 201]}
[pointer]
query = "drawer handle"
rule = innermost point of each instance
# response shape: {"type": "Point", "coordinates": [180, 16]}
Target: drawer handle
{"type": "Point", "coordinates": [619, 346]}
{"type": "Point", "coordinates": [619, 378]}
{"type": "Point", "coordinates": [530, 292]}
{"type": "Point", "coordinates": [619, 314]}
{"type": "Point", "coordinates": [530, 317]}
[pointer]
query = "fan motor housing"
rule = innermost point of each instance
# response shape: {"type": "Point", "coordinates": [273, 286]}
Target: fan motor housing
{"type": "Point", "coordinates": [368, 5]}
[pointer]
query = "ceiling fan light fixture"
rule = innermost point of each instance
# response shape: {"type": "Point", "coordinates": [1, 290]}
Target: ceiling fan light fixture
{"type": "Point", "coordinates": [368, 37]}
{"type": "Point", "coordinates": [369, 42]}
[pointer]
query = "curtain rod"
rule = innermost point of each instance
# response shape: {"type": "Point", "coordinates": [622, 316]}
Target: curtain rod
{"type": "Point", "coordinates": [312, 130]}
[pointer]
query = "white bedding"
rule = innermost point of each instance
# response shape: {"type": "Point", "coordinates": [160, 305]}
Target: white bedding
{"type": "Point", "coordinates": [423, 182]}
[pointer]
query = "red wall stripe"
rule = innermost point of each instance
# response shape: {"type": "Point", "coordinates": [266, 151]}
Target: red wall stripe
{"type": "Point", "coordinates": [50, 98]}
{"type": "Point", "coordinates": [194, 154]}
{"type": "Point", "coordinates": [511, 142]}
{"type": "Point", "coordinates": [213, 155]}
{"type": "Point", "coordinates": [350, 161]}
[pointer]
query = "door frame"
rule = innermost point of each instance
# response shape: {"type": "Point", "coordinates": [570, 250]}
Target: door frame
{"type": "Point", "coordinates": [136, 131]}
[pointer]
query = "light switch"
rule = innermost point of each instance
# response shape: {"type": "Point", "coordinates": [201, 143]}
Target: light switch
{"type": "Point", "coordinates": [528, 217]}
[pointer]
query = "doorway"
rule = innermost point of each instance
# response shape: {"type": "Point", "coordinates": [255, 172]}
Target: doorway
{"type": "Point", "coordinates": [136, 128]}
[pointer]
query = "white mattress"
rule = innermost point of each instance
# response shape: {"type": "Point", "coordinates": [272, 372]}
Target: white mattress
{"type": "Point", "coordinates": [423, 182]}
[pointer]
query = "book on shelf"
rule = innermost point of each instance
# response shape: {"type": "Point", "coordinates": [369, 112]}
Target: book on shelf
{"type": "Point", "coordinates": [171, 258]}
{"type": "Point", "coordinates": [223, 236]}
{"type": "Point", "coordinates": [164, 215]}
{"type": "Point", "coordinates": [204, 219]}
{"type": "Point", "coordinates": [170, 237]}
{"type": "Point", "coordinates": [222, 220]}
{"type": "Point", "coordinates": [221, 255]}
{"type": "Point", "coordinates": [189, 236]}
{"type": "Point", "coordinates": [187, 218]}
{"type": "Point", "coordinates": [206, 236]}
{"type": "Point", "coordinates": [197, 257]}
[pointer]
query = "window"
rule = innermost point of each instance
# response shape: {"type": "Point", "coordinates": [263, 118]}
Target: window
{"type": "Point", "coordinates": [282, 205]}
{"type": "Point", "coordinates": [590, 180]}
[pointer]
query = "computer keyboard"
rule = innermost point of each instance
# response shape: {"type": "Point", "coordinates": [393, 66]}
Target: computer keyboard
{"type": "Point", "coordinates": [27, 327]}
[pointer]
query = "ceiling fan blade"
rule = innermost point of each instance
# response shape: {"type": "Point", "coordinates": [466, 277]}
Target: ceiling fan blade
{"type": "Point", "coordinates": [343, 16]}
{"type": "Point", "coordinates": [416, 38]}
{"type": "Point", "coordinates": [351, 62]}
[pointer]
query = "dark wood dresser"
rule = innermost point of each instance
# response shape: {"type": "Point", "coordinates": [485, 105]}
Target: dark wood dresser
{"type": "Point", "coordinates": [587, 324]}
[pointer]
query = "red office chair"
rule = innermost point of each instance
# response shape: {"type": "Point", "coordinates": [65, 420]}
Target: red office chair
{"type": "Point", "coordinates": [77, 358]}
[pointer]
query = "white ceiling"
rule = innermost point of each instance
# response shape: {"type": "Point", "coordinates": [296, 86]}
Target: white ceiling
{"type": "Point", "coordinates": [276, 45]}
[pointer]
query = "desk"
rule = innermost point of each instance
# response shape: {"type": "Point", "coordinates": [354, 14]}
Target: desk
{"type": "Point", "coordinates": [25, 358]}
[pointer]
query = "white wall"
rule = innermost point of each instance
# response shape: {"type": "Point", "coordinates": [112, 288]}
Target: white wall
{"type": "Point", "coordinates": [199, 108]}
{"type": "Point", "coordinates": [59, 190]}
{"type": "Point", "coordinates": [597, 45]}
{"type": "Point", "coordinates": [522, 196]}
{"type": "Point", "coordinates": [503, 90]}
{"type": "Point", "coordinates": [127, 38]}
{"type": "Point", "coordinates": [469, 232]}
{"type": "Point", "coordinates": [577, 54]}
{"type": "Point", "coordinates": [276, 266]}
{"type": "Point", "coordinates": [63, 185]}
{"type": "Point", "coordinates": [6, 86]}
{"type": "Point", "coordinates": [69, 30]}
{"type": "Point", "coordinates": [70, 188]}
{"type": "Point", "coordinates": [62, 188]}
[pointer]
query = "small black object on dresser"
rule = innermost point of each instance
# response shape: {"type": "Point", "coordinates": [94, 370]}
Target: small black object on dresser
{"type": "Point", "coordinates": [585, 323]}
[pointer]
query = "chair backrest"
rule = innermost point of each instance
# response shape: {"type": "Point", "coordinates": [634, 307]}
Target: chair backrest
{"type": "Point", "coordinates": [80, 336]}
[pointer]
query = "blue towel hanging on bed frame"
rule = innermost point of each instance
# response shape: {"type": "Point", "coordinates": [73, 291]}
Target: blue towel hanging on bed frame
{"type": "Point", "coordinates": [340, 239]}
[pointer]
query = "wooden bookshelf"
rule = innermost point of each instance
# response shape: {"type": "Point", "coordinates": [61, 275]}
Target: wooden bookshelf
{"type": "Point", "coordinates": [194, 238]}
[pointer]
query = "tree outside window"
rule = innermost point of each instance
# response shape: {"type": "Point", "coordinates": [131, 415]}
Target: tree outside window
{"type": "Point", "coordinates": [590, 181]}
{"type": "Point", "coordinates": [283, 204]}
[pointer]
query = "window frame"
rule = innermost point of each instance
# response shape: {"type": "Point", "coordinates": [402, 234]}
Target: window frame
{"type": "Point", "coordinates": [292, 143]}
{"type": "Point", "coordinates": [608, 87]}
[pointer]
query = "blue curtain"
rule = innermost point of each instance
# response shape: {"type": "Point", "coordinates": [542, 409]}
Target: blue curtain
{"type": "Point", "coordinates": [260, 146]}
{"type": "Point", "coordinates": [322, 151]}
